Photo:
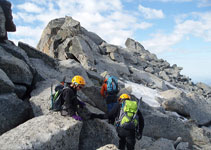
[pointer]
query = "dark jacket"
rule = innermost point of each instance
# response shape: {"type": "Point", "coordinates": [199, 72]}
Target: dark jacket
{"type": "Point", "coordinates": [71, 102]}
{"type": "Point", "coordinates": [114, 113]}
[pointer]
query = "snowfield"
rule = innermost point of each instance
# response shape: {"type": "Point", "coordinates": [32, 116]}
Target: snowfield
{"type": "Point", "coordinates": [148, 95]}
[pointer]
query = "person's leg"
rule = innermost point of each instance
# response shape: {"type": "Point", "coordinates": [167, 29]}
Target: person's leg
{"type": "Point", "coordinates": [109, 107]}
{"type": "Point", "coordinates": [122, 142]}
{"type": "Point", "coordinates": [131, 141]}
{"type": "Point", "coordinates": [122, 133]}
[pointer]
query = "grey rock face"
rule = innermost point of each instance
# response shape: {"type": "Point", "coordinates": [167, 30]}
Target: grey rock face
{"type": "Point", "coordinates": [44, 71]}
{"type": "Point", "coordinates": [45, 132]}
{"type": "Point", "coordinates": [49, 32]}
{"type": "Point", "coordinates": [162, 144]}
{"type": "Point", "coordinates": [9, 24]}
{"type": "Point", "coordinates": [134, 46]}
{"type": "Point", "coordinates": [67, 28]}
{"type": "Point", "coordinates": [95, 38]}
{"type": "Point", "coordinates": [13, 112]}
{"type": "Point", "coordinates": [188, 105]}
{"type": "Point", "coordinates": [40, 97]}
{"type": "Point", "coordinates": [18, 53]}
{"type": "Point", "coordinates": [173, 97]}
{"type": "Point", "coordinates": [5, 83]}
{"type": "Point", "coordinates": [164, 76]}
{"type": "Point", "coordinates": [17, 70]}
{"type": "Point", "coordinates": [96, 98]}
{"type": "Point", "coordinates": [3, 31]}
{"type": "Point", "coordinates": [6, 22]}
{"type": "Point", "coordinates": [159, 124]}
{"type": "Point", "coordinates": [96, 133]}
{"type": "Point", "coordinates": [70, 68]}
{"type": "Point", "coordinates": [81, 50]}
{"type": "Point", "coordinates": [183, 146]}
{"type": "Point", "coordinates": [34, 53]}
{"type": "Point", "coordinates": [148, 78]}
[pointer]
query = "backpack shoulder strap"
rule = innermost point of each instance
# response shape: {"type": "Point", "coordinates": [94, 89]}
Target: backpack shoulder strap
{"type": "Point", "coordinates": [137, 108]}
{"type": "Point", "coordinates": [120, 115]}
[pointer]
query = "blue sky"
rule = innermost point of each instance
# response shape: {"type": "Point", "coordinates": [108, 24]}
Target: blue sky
{"type": "Point", "coordinates": [178, 31]}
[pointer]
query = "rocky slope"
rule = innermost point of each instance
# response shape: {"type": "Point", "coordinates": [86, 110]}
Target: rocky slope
{"type": "Point", "coordinates": [68, 49]}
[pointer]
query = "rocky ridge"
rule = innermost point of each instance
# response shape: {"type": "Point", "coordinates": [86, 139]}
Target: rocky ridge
{"type": "Point", "coordinates": [68, 49]}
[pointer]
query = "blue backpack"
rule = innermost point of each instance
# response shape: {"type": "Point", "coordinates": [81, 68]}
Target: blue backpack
{"type": "Point", "coordinates": [112, 85]}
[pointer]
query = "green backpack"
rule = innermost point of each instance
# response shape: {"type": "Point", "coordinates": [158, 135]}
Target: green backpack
{"type": "Point", "coordinates": [56, 98]}
{"type": "Point", "coordinates": [128, 115]}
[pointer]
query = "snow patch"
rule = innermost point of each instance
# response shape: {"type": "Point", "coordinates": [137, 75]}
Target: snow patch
{"type": "Point", "coordinates": [148, 95]}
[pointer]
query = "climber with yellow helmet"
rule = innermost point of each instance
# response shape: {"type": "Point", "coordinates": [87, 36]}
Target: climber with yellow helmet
{"type": "Point", "coordinates": [69, 96]}
{"type": "Point", "coordinates": [129, 121]}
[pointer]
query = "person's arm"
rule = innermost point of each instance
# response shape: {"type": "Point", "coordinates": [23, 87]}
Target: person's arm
{"type": "Point", "coordinates": [80, 103]}
{"type": "Point", "coordinates": [102, 91]}
{"type": "Point", "coordinates": [112, 114]}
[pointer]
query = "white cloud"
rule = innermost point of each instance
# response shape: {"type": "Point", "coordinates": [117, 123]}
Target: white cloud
{"type": "Point", "coordinates": [30, 7]}
{"type": "Point", "coordinates": [161, 42]}
{"type": "Point", "coordinates": [150, 13]}
{"type": "Point", "coordinates": [143, 25]}
{"type": "Point", "coordinates": [29, 41]}
{"type": "Point", "coordinates": [179, 1]}
{"type": "Point", "coordinates": [199, 26]}
{"type": "Point", "coordinates": [204, 3]}
{"type": "Point", "coordinates": [108, 19]}
{"type": "Point", "coordinates": [25, 17]}
{"type": "Point", "coordinates": [26, 34]}
{"type": "Point", "coordinates": [31, 31]}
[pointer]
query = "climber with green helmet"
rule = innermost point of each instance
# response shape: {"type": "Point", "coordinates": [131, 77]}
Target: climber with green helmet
{"type": "Point", "coordinates": [129, 121]}
{"type": "Point", "coordinates": [69, 96]}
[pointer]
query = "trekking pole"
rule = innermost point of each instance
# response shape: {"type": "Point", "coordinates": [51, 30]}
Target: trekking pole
{"type": "Point", "coordinates": [136, 114]}
{"type": "Point", "coordinates": [51, 96]}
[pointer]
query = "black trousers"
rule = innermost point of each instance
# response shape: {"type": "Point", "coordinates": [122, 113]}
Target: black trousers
{"type": "Point", "coordinates": [126, 138]}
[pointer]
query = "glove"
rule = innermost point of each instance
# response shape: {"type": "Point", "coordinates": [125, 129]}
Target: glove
{"type": "Point", "coordinates": [77, 117]}
{"type": "Point", "coordinates": [81, 104]}
{"type": "Point", "coordinates": [138, 136]}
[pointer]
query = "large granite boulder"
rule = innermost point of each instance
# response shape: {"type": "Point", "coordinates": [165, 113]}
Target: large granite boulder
{"type": "Point", "coordinates": [160, 124]}
{"type": "Point", "coordinates": [5, 83]}
{"type": "Point", "coordinates": [6, 19]}
{"type": "Point", "coordinates": [16, 69]}
{"type": "Point", "coordinates": [95, 134]}
{"type": "Point", "coordinates": [61, 37]}
{"type": "Point", "coordinates": [34, 53]}
{"type": "Point", "coordinates": [45, 132]}
{"type": "Point", "coordinates": [9, 24]}
{"type": "Point", "coordinates": [189, 105]}
{"type": "Point", "coordinates": [13, 112]}
{"type": "Point", "coordinates": [3, 32]}
{"type": "Point", "coordinates": [134, 46]}
{"type": "Point", "coordinates": [40, 97]}
{"type": "Point", "coordinates": [162, 144]}
{"type": "Point", "coordinates": [148, 79]}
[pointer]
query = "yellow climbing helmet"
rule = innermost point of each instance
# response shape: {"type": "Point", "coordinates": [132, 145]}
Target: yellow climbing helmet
{"type": "Point", "coordinates": [78, 80]}
{"type": "Point", "coordinates": [124, 97]}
